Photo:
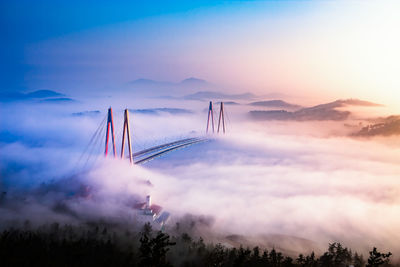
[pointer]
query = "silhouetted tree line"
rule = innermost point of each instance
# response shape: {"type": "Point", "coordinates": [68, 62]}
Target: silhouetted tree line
{"type": "Point", "coordinates": [96, 246]}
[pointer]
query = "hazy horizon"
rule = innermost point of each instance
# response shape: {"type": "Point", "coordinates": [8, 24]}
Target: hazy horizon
{"type": "Point", "coordinates": [318, 50]}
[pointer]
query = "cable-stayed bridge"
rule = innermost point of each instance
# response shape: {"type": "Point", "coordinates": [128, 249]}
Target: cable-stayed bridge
{"type": "Point", "coordinates": [149, 153]}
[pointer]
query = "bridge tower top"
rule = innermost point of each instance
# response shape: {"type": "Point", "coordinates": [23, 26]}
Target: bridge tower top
{"type": "Point", "coordinates": [221, 118]}
{"type": "Point", "coordinates": [110, 126]}
{"type": "Point", "coordinates": [210, 115]}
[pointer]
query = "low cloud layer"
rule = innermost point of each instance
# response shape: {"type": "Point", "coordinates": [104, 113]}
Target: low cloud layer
{"type": "Point", "coordinates": [305, 180]}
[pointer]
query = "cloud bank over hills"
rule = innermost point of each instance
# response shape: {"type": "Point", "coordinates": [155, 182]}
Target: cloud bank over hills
{"type": "Point", "coordinates": [387, 126]}
{"type": "Point", "coordinates": [295, 179]}
{"type": "Point", "coordinates": [10, 96]}
{"type": "Point", "coordinates": [321, 112]}
{"type": "Point", "coordinates": [207, 95]}
{"type": "Point", "coordinates": [148, 87]}
{"type": "Point", "coordinates": [275, 104]}
{"type": "Point", "coordinates": [43, 96]}
{"type": "Point", "coordinates": [158, 111]}
{"type": "Point", "coordinates": [190, 88]}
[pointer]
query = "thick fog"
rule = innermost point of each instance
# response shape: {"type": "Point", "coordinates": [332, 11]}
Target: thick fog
{"type": "Point", "coordinates": [307, 180]}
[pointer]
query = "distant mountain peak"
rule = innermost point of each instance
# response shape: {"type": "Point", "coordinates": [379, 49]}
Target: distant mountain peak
{"type": "Point", "coordinates": [320, 112]}
{"type": "Point", "coordinates": [207, 95]}
{"type": "Point", "coordinates": [275, 104]}
{"type": "Point", "coordinates": [39, 94]}
{"type": "Point", "coordinates": [43, 94]}
{"type": "Point", "coordinates": [143, 81]}
{"type": "Point", "coordinates": [357, 102]}
{"type": "Point", "coordinates": [58, 100]}
{"type": "Point", "coordinates": [384, 127]}
{"type": "Point", "coordinates": [193, 80]}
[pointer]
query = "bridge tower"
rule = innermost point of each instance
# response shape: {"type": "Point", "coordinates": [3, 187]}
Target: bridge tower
{"type": "Point", "coordinates": [126, 130]}
{"type": "Point", "coordinates": [221, 118]}
{"type": "Point", "coordinates": [110, 124]}
{"type": "Point", "coordinates": [210, 114]}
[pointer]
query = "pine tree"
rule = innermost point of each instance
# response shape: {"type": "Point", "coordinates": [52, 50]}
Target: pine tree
{"type": "Point", "coordinates": [377, 259]}
{"type": "Point", "coordinates": [358, 260]}
{"type": "Point", "coordinates": [145, 246]}
{"type": "Point", "coordinates": [160, 246]}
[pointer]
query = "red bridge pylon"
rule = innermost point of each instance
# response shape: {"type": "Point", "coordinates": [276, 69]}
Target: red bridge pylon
{"type": "Point", "coordinates": [128, 133]}
{"type": "Point", "coordinates": [221, 118]}
{"type": "Point", "coordinates": [210, 113]}
{"type": "Point", "coordinates": [110, 123]}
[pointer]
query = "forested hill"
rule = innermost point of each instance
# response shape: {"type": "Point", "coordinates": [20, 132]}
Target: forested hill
{"type": "Point", "coordinates": [95, 245]}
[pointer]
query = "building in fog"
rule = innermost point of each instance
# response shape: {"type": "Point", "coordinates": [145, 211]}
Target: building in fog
{"type": "Point", "coordinates": [147, 212]}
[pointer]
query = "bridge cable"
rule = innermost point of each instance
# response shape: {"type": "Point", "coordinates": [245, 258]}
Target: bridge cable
{"type": "Point", "coordinates": [97, 143]}
{"type": "Point", "coordinates": [91, 141]}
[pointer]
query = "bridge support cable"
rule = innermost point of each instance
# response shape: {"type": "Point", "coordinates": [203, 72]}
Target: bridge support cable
{"type": "Point", "coordinates": [88, 146]}
{"type": "Point", "coordinates": [110, 125]}
{"type": "Point", "coordinates": [143, 155]}
{"type": "Point", "coordinates": [96, 145]}
{"type": "Point", "coordinates": [126, 130]}
{"type": "Point", "coordinates": [210, 114]}
{"type": "Point", "coordinates": [221, 118]}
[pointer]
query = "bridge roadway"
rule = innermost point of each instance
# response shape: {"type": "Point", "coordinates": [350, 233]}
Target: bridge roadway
{"type": "Point", "coordinates": [149, 154]}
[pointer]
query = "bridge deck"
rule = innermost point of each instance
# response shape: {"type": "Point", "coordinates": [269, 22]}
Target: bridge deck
{"type": "Point", "coordinates": [158, 151]}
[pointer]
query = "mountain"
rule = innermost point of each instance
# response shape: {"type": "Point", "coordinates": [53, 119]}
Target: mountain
{"type": "Point", "coordinates": [321, 112]}
{"type": "Point", "coordinates": [194, 82]}
{"type": "Point", "coordinates": [58, 100]}
{"type": "Point", "coordinates": [157, 111]}
{"type": "Point", "coordinates": [275, 104]}
{"type": "Point", "coordinates": [186, 82]}
{"type": "Point", "coordinates": [358, 102]}
{"type": "Point", "coordinates": [273, 95]}
{"type": "Point", "coordinates": [385, 127]}
{"type": "Point", "coordinates": [209, 95]}
{"type": "Point", "coordinates": [86, 113]}
{"type": "Point", "coordinates": [18, 96]}
{"type": "Point", "coordinates": [152, 88]}
{"type": "Point", "coordinates": [271, 115]}
{"type": "Point", "coordinates": [143, 81]}
{"type": "Point", "coordinates": [230, 103]}
{"type": "Point", "coordinates": [43, 94]}
{"type": "Point", "coordinates": [148, 82]}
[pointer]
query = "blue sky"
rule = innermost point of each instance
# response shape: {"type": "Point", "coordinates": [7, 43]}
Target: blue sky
{"type": "Point", "coordinates": [27, 24]}
{"type": "Point", "coordinates": [321, 49]}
